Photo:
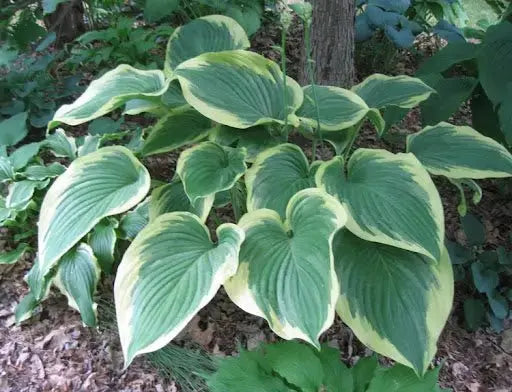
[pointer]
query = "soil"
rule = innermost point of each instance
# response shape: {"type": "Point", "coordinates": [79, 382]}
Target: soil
{"type": "Point", "coordinates": [54, 352]}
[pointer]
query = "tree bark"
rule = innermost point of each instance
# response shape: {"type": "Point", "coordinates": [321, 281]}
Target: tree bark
{"type": "Point", "coordinates": [67, 21]}
{"type": "Point", "coordinates": [332, 42]}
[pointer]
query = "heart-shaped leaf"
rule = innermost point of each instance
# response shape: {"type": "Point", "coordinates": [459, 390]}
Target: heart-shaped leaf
{"type": "Point", "coordinates": [286, 273]}
{"type": "Point", "coordinates": [77, 277]}
{"type": "Point", "coordinates": [379, 91]}
{"type": "Point", "coordinates": [238, 88]}
{"type": "Point", "coordinates": [175, 130]}
{"type": "Point", "coordinates": [277, 174]}
{"type": "Point", "coordinates": [208, 168]}
{"type": "Point", "coordinates": [395, 301]}
{"type": "Point", "coordinates": [169, 272]}
{"type": "Point", "coordinates": [103, 183]}
{"type": "Point", "coordinates": [255, 139]}
{"type": "Point", "coordinates": [459, 152]}
{"type": "Point", "coordinates": [213, 33]}
{"type": "Point", "coordinates": [102, 241]}
{"type": "Point", "coordinates": [172, 198]}
{"type": "Point", "coordinates": [109, 92]}
{"type": "Point", "coordinates": [337, 108]}
{"type": "Point", "coordinates": [390, 198]}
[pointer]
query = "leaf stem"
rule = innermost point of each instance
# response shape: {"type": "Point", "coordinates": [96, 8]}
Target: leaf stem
{"type": "Point", "coordinates": [354, 133]}
{"type": "Point", "coordinates": [310, 71]}
{"type": "Point", "coordinates": [283, 68]}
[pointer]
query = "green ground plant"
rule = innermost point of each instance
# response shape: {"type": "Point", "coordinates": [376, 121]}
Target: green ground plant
{"type": "Point", "coordinates": [488, 271]}
{"type": "Point", "coordinates": [401, 21]}
{"type": "Point", "coordinates": [248, 13]}
{"type": "Point", "coordinates": [30, 93]}
{"type": "Point", "coordinates": [302, 225]}
{"type": "Point", "coordinates": [121, 44]}
{"type": "Point", "coordinates": [275, 368]}
{"type": "Point", "coordinates": [477, 72]}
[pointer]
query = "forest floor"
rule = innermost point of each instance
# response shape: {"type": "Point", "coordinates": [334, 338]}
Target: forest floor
{"type": "Point", "coordinates": [54, 352]}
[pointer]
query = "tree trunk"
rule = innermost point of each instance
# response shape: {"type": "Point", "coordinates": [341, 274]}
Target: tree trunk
{"type": "Point", "coordinates": [332, 42]}
{"type": "Point", "coordinates": [67, 21]}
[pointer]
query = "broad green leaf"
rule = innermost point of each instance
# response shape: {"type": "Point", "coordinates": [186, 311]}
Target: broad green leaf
{"type": "Point", "coordinates": [402, 379]}
{"type": "Point", "coordinates": [450, 94]}
{"type": "Point", "coordinates": [484, 118]}
{"type": "Point", "coordinates": [459, 152]}
{"type": "Point", "coordinates": [14, 129]}
{"type": "Point", "coordinates": [363, 372]}
{"type": "Point", "coordinates": [376, 118]}
{"type": "Point", "coordinates": [337, 377]}
{"type": "Point", "coordinates": [61, 145]}
{"type": "Point", "coordinates": [25, 308]}
{"type": "Point", "coordinates": [238, 88]}
{"type": "Point", "coordinates": [379, 91]}
{"type": "Point", "coordinates": [249, 370]}
{"type": "Point", "coordinates": [20, 194]}
{"type": "Point", "coordinates": [175, 130]}
{"type": "Point", "coordinates": [13, 256]}
{"type": "Point", "coordinates": [494, 60]}
{"type": "Point", "coordinates": [173, 97]}
{"type": "Point", "coordinates": [102, 241]}
{"type": "Point", "coordinates": [90, 144]}
{"type": "Point", "coordinates": [287, 359]}
{"type": "Point", "coordinates": [77, 276]}
{"type": "Point", "coordinates": [21, 157]}
{"type": "Point", "coordinates": [451, 54]}
{"type": "Point", "coordinates": [498, 304]}
{"type": "Point", "coordinates": [214, 33]}
{"type": "Point", "coordinates": [248, 14]}
{"type": "Point", "coordinates": [39, 285]}
{"type": "Point", "coordinates": [109, 92]}
{"type": "Point", "coordinates": [155, 10]}
{"type": "Point", "coordinates": [138, 106]}
{"type": "Point", "coordinates": [474, 230]}
{"type": "Point", "coordinates": [396, 302]}
{"type": "Point", "coordinates": [286, 272]}
{"type": "Point", "coordinates": [6, 170]}
{"type": "Point", "coordinates": [208, 168]}
{"type": "Point", "coordinates": [254, 140]}
{"type": "Point", "coordinates": [485, 279]}
{"type": "Point", "coordinates": [5, 213]}
{"type": "Point", "coordinates": [134, 221]}
{"type": "Point", "coordinates": [172, 197]}
{"type": "Point", "coordinates": [40, 172]}
{"type": "Point", "coordinates": [136, 143]}
{"type": "Point", "coordinates": [158, 291]}
{"type": "Point", "coordinates": [238, 198]}
{"type": "Point", "coordinates": [505, 115]}
{"type": "Point", "coordinates": [277, 174]}
{"type": "Point", "coordinates": [337, 108]}
{"type": "Point", "coordinates": [390, 199]}
{"type": "Point", "coordinates": [340, 140]}
{"type": "Point", "coordinates": [222, 199]}
{"type": "Point", "coordinates": [104, 125]}
{"type": "Point", "coordinates": [107, 182]}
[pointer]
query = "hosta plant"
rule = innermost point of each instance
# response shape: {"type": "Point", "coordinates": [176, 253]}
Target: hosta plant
{"type": "Point", "coordinates": [485, 81]}
{"type": "Point", "coordinates": [360, 235]}
{"type": "Point", "coordinates": [274, 368]}
{"type": "Point", "coordinates": [401, 21]}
